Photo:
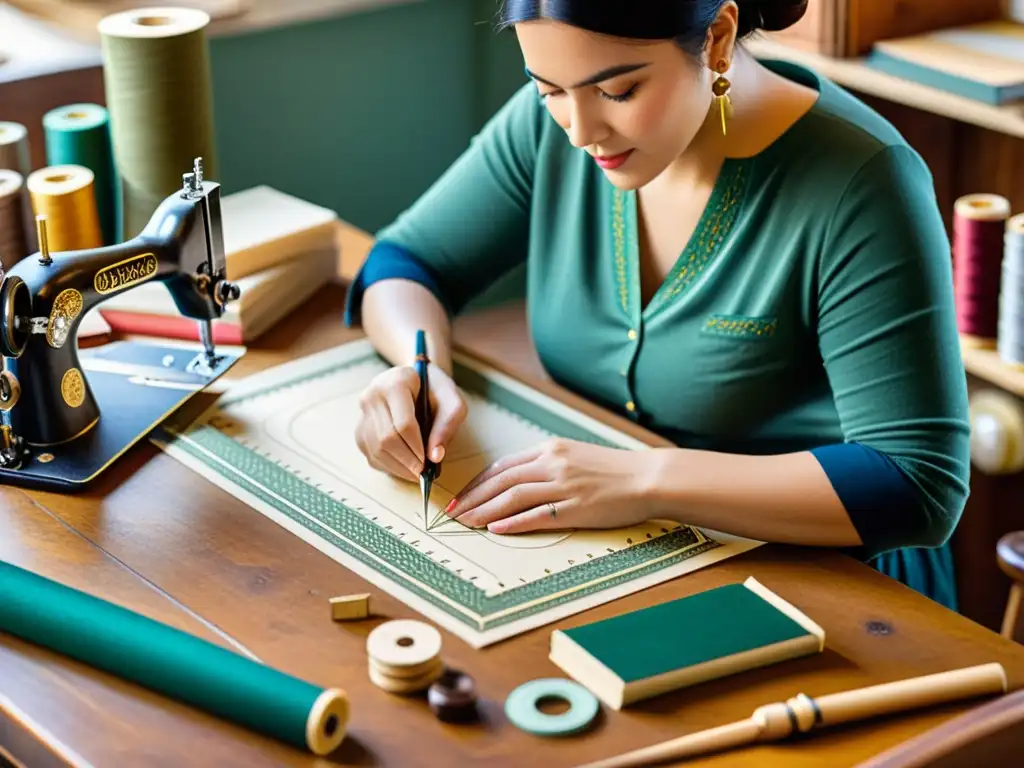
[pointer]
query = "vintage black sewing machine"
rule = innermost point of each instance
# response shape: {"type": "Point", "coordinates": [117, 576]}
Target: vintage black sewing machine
{"type": "Point", "coordinates": [67, 415]}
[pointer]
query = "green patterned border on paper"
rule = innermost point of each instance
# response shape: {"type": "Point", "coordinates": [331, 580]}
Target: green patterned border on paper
{"type": "Point", "coordinates": [345, 528]}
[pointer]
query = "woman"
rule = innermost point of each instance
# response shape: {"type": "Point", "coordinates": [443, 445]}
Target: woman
{"type": "Point", "coordinates": [739, 256]}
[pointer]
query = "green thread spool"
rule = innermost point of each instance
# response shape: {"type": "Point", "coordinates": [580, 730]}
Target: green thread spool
{"type": "Point", "coordinates": [170, 661]}
{"type": "Point", "coordinates": [156, 71]}
{"type": "Point", "coordinates": [79, 134]}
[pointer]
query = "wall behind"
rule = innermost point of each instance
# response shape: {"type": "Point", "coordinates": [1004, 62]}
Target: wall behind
{"type": "Point", "coordinates": [360, 113]}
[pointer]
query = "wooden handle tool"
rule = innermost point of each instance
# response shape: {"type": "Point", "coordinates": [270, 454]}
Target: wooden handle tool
{"type": "Point", "coordinates": [774, 722]}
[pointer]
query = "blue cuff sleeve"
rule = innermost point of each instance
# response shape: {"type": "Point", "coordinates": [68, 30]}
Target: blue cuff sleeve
{"type": "Point", "coordinates": [882, 503]}
{"type": "Point", "coordinates": [387, 261]}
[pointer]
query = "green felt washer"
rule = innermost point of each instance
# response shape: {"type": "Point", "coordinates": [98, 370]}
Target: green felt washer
{"type": "Point", "coordinates": [521, 707]}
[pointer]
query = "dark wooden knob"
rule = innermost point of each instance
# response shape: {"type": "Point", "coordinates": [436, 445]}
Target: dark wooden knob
{"type": "Point", "coordinates": [452, 698]}
{"type": "Point", "coordinates": [1010, 553]}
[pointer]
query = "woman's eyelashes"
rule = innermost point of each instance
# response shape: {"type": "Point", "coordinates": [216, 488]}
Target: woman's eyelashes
{"type": "Point", "coordinates": [620, 97]}
{"type": "Point", "coordinates": [625, 96]}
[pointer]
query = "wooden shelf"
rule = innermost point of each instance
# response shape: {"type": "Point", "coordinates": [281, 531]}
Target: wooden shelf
{"type": "Point", "coordinates": [858, 76]}
{"type": "Point", "coordinates": [986, 365]}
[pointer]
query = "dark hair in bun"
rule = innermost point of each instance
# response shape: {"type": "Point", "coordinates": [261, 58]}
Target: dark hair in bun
{"type": "Point", "coordinates": [770, 15]}
{"type": "Point", "coordinates": [684, 21]}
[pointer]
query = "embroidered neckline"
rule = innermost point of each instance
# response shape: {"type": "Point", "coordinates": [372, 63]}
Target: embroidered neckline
{"type": "Point", "coordinates": [714, 225]}
{"type": "Point", "coordinates": [619, 238]}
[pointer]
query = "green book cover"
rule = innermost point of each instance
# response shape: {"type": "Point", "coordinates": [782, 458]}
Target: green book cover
{"type": "Point", "coordinates": [710, 634]}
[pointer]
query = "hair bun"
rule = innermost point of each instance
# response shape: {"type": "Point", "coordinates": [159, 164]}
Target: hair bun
{"type": "Point", "coordinates": [770, 15]}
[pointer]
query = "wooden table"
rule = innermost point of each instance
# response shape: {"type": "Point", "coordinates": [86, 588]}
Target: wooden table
{"type": "Point", "coordinates": [154, 537]}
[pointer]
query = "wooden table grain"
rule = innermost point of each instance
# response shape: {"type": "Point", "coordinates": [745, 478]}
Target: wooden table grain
{"type": "Point", "coordinates": [153, 536]}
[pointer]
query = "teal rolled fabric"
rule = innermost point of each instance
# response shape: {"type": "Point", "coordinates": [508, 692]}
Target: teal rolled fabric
{"type": "Point", "coordinates": [79, 134]}
{"type": "Point", "coordinates": [171, 661]}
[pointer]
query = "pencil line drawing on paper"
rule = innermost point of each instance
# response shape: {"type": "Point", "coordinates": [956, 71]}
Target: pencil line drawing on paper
{"type": "Point", "coordinates": [283, 442]}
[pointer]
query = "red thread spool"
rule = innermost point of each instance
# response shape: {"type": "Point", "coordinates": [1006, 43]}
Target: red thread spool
{"type": "Point", "coordinates": [979, 223]}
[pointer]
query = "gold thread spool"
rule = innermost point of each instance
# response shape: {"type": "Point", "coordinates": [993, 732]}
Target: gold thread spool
{"type": "Point", "coordinates": [159, 95]}
{"type": "Point", "coordinates": [13, 243]}
{"type": "Point", "coordinates": [64, 195]}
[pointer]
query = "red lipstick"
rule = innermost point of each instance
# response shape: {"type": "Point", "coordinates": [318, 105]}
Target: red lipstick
{"type": "Point", "coordinates": [611, 162]}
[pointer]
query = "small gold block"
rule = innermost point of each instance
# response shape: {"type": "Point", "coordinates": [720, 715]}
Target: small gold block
{"type": "Point", "coordinates": [348, 607]}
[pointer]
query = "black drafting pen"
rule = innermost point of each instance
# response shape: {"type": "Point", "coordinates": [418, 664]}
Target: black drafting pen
{"type": "Point", "coordinates": [425, 418]}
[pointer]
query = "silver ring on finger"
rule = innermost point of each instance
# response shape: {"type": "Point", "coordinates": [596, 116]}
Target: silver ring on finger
{"type": "Point", "coordinates": [552, 510]}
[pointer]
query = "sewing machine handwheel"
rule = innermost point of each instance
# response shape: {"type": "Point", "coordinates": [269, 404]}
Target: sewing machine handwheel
{"type": "Point", "coordinates": [15, 302]}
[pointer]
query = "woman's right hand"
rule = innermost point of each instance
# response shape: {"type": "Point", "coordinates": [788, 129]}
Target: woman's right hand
{"type": "Point", "coordinates": [388, 434]}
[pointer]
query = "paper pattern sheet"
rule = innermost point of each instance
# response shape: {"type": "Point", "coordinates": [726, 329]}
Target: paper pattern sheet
{"type": "Point", "coordinates": [283, 442]}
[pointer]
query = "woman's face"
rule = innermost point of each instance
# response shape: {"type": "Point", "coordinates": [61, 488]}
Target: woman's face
{"type": "Point", "coordinates": [632, 106]}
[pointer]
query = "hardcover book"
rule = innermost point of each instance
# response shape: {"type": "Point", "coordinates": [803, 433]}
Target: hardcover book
{"type": "Point", "coordinates": [683, 642]}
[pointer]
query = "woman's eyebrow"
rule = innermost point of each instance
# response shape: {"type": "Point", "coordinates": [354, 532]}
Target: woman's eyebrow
{"type": "Point", "coordinates": [604, 74]}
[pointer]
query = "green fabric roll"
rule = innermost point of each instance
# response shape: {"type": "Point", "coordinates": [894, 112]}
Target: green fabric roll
{"type": "Point", "coordinates": [79, 134]}
{"type": "Point", "coordinates": [162, 658]}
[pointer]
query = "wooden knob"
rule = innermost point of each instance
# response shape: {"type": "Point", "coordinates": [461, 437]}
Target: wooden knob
{"type": "Point", "coordinates": [997, 432]}
{"type": "Point", "coordinates": [1010, 553]}
{"type": "Point", "coordinates": [452, 697]}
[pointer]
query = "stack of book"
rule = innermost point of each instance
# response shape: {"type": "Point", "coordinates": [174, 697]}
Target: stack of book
{"type": "Point", "coordinates": [984, 62]}
{"type": "Point", "coordinates": [280, 250]}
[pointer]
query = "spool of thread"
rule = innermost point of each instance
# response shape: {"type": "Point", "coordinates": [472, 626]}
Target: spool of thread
{"type": "Point", "coordinates": [13, 244]}
{"type": "Point", "coordinates": [978, 225]}
{"type": "Point", "coordinates": [64, 194]}
{"type": "Point", "coordinates": [997, 432]}
{"type": "Point", "coordinates": [172, 662]}
{"type": "Point", "coordinates": [156, 71]}
{"type": "Point", "coordinates": [79, 134]}
{"type": "Point", "coordinates": [1011, 294]}
{"type": "Point", "coordinates": [404, 656]}
{"type": "Point", "coordinates": [15, 156]}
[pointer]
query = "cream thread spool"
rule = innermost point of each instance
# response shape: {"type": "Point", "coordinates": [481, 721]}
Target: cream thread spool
{"type": "Point", "coordinates": [14, 154]}
{"type": "Point", "coordinates": [64, 194]}
{"type": "Point", "coordinates": [13, 242]}
{"type": "Point", "coordinates": [404, 656]}
{"type": "Point", "coordinates": [997, 432]}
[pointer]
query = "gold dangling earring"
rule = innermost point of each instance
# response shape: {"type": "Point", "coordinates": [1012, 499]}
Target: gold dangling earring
{"type": "Point", "coordinates": [720, 88]}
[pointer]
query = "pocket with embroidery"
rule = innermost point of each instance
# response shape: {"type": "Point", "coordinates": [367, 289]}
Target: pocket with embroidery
{"type": "Point", "coordinates": [741, 326]}
{"type": "Point", "coordinates": [741, 373]}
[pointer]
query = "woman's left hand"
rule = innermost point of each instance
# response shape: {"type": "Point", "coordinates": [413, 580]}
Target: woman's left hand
{"type": "Point", "coordinates": [559, 484]}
